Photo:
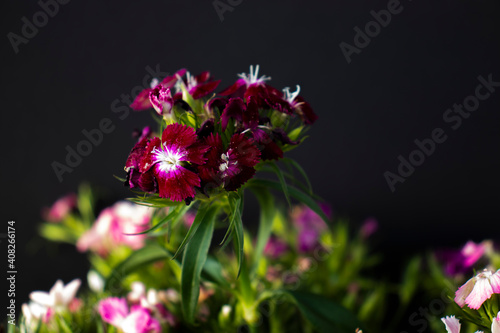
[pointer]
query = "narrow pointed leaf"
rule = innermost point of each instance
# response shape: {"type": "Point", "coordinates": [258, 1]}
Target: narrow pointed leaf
{"type": "Point", "coordinates": [267, 212]}
{"type": "Point", "coordinates": [237, 208]}
{"type": "Point", "coordinates": [301, 171]}
{"type": "Point", "coordinates": [282, 180]}
{"type": "Point", "coordinates": [200, 216]}
{"type": "Point", "coordinates": [294, 193]}
{"type": "Point", "coordinates": [142, 257]}
{"type": "Point", "coordinates": [193, 261]}
{"type": "Point", "coordinates": [326, 315]}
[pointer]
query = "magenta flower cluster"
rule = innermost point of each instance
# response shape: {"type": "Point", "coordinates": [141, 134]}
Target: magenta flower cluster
{"type": "Point", "coordinates": [228, 136]}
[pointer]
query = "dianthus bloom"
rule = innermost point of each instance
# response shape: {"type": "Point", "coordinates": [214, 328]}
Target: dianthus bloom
{"type": "Point", "coordinates": [230, 167]}
{"type": "Point", "coordinates": [495, 324]}
{"type": "Point", "coordinates": [453, 324]}
{"type": "Point", "coordinates": [275, 248]}
{"type": "Point", "coordinates": [61, 208]}
{"type": "Point", "coordinates": [170, 161]}
{"type": "Point", "coordinates": [478, 289]}
{"type": "Point", "coordinates": [115, 311]}
{"type": "Point", "coordinates": [309, 225]}
{"type": "Point", "coordinates": [115, 226]}
{"type": "Point", "coordinates": [461, 261]}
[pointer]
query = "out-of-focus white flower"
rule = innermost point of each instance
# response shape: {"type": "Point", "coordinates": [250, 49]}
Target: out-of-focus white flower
{"type": "Point", "coordinates": [59, 296]}
{"type": "Point", "coordinates": [33, 313]}
{"type": "Point", "coordinates": [95, 281]}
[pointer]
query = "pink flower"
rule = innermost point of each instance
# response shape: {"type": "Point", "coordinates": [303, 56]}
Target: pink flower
{"type": "Point", "coordinates": [370, 225]}
{"type": "Point", "coordinates": [161, 99]}
{"type": "Point", "coordinates": [275, 248]}
{"type": "Point", "coordinates": [60, 209]}
{"type": "Point", "coordinates": [478, 289]}
{"type": "Point", "coordinates": [309, 225]}
{"type": "Point", "coordinates": [189, 219]}
{"type": "Point", "coordinates": [495, 325]}
{"type": "Point", "coordinates": [115, 311]}
{"type": "Point", "coordinates": [114, 227]}
{"type": "Point", "coordinates": [150, 300]}
{"type": "Point", "coordinates": [143, 102]}
{"type": "Point", "coordinates": [453, 324]}
{"type": "Point", "coordinates": [461, 261]}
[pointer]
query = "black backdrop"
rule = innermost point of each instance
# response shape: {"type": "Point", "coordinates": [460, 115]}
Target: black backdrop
{"type": "Point", "coordinates": [395, 90]}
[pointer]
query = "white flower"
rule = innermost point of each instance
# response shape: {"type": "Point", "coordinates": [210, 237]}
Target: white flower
{"type": "Point", "coordinates": [95, 281]}
{"type": "Point", "coordinates": [33, 313]}
{"type": "Point", "coordinates": [453, 324]}
{"type": "Point", "coordinates": [59, 296]}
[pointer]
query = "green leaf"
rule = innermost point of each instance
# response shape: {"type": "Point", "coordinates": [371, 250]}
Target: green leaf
{"type": "Point", "coordinates": [282, 180]}
{"type": "Point", "coordinates": [123, 180]}
{"type": "Point", "coordinates": [301, 171]}
{"type": "Point", "coordinates": [236, 204]}
{"type": "Point", "coordinates": [193, 261]}
{"type": "Point", "coordinates": [198, 220]}
{"type": "Point", "coordinates": [267, 213]}
{"type": "Point", "coordinates": [326, 315]}
{"type": "Point", "coordinates": [142, 257]}
{"type": "Point", "coordinates": [294, 193]}
{"type": "Point", "coordinates": [411, 280]}
{"type": "Point", "coordinates": [154, 201]}
{"type": "Point", "coordinates": [171, 215]}
{"type": "Point", "coordinates": [212, 271]}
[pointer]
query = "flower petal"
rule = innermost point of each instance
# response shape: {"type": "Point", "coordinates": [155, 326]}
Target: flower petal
{"type": "Point", "coordinates": [481, 292]}
{"type": "Point", "coordinates": [452, 324]}
{"type": "Point", "coordinates": [113, 310]}
{"type": "Point", "coordinates": [70, 290]}
{"type": "Point", "coordinates": [463, 292]}
{"type": "Point", "coordinates": [234, 109]}
{"type": "Point", "coordinates": [233, 88]}
{"type": "Point", "coordinates": [178, 136]}
{"type": "Point", "coordinates": [42, 298]}
{"type": "Point", "coordinates": [177, 184]}
{"type": "Point", "coordinates": [202, 90]}
{"type": "Point", "coordinates": [141, 102]}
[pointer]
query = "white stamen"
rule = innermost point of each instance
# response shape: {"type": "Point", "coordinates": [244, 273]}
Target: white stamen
{"type": "Point", "coordinates": [168, 159]}
{"type": "Point", "coordinates": [291, 96]}
{"type": "Point", "coordinates": [253, 77]}
{"type": "Point", "coordinates": [154, 83]}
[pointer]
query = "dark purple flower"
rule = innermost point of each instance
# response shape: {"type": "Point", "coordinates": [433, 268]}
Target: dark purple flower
{"type": "Point", "coordinates": [132, 165]}
{"type": "Point", "coordinates": [198, 86]}
{"type": "Point", "coordinates": [230, 167]}
{"type": "Point", "coordinates": [170, 161]}
{"type": "Point", "coordinates": [247, 119]}
{"type": "Point", "coordinates": [290, 103]}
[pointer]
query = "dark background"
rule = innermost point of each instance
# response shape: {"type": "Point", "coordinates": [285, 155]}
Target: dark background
{"type": "Point", "coordinates": [394, 91]}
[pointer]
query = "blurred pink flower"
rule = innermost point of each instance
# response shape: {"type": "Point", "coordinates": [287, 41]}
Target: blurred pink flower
{"type": "Point", "coordinates": [369, 227]}
{"type": "Point", "coordinates": [189, 219]}
{"type": "Point", "coordinates": [478, 289]}
{"type": "Point", "coordinates": [275, 248]}
{"type": "Point", "coordinates": [150, 300]}
{"type": "Point", "coordinates": [116, 226]}
{"type": "Point", "coordinates": [309, 225]}
{"type": "Point", "coordinates": [115, 311]}
{"type": "Point", "coordinates": [461, 261]}
{"type": "Point", "coordinates": [60, 209]}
